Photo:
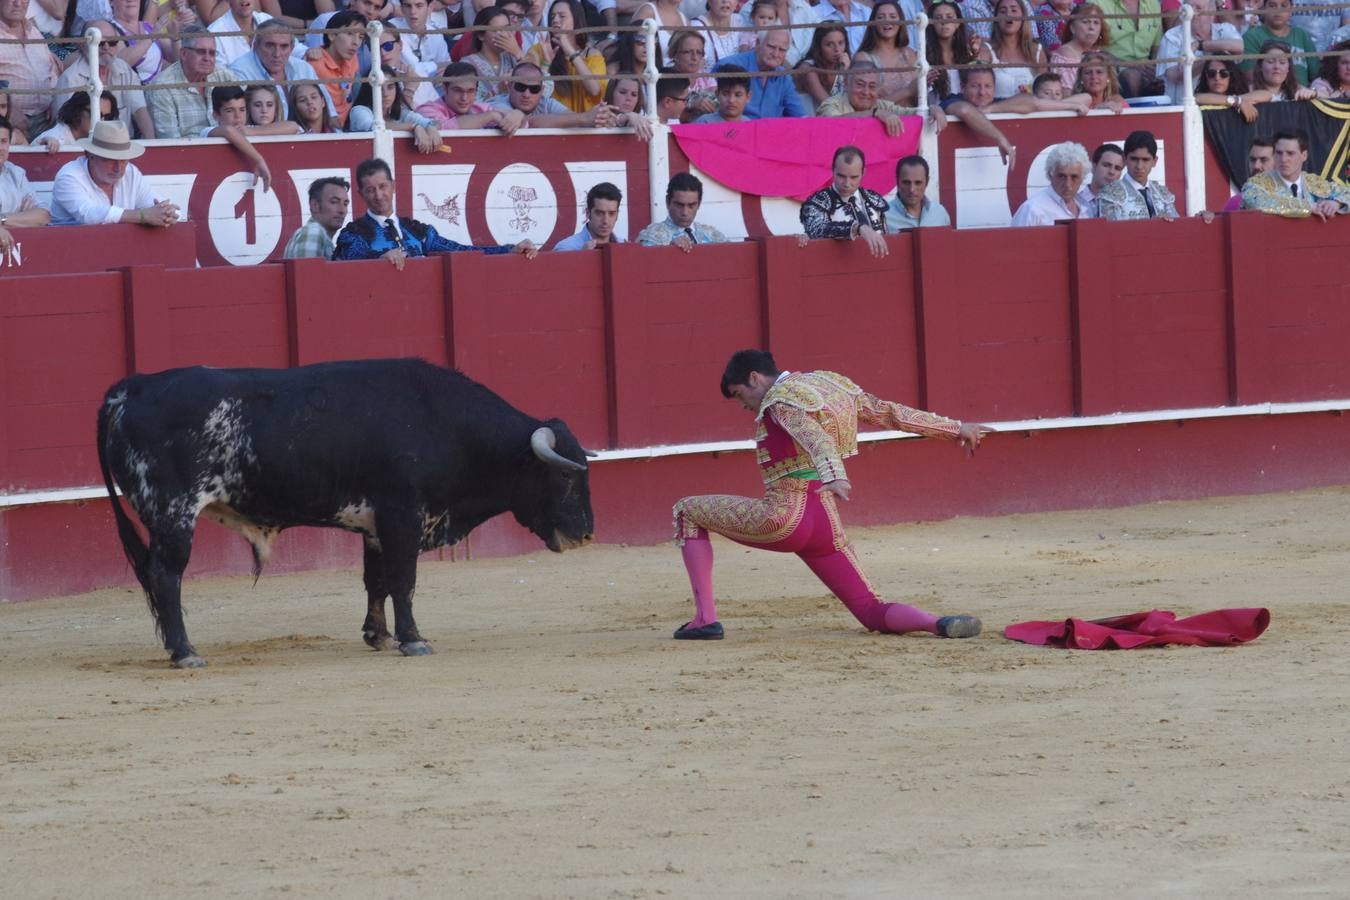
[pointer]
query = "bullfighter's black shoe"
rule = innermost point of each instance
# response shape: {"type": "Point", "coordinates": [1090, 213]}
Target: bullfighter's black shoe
{"type": "Point", "coordinates": [958, 626]}
{"type": "Point", "coordinates": [710, 632]}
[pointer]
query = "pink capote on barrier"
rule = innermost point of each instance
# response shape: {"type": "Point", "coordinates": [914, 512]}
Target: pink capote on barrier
{"type": "Point", "coordinates": [1146, 629]}
{"type": "Point", "coordinates": [791, 157]}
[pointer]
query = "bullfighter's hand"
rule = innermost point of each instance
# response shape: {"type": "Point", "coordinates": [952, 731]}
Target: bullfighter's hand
{"type": "Point", "coordinates": [970, 436]}
{"type": "Point", "coordinates": [876, 242]}
{"type": "Point", "coordinates": [526, 248]}
{"type": "Point", "coordinates": [840, 488]}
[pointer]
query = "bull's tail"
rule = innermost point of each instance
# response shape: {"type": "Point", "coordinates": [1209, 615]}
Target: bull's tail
{"type": "Point", "coordinates": [136, 550]}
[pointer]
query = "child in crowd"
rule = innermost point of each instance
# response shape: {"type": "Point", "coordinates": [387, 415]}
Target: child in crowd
{"type": "Point", "coordinates": [1048, 87]}
{"type": "Point", "coordinates": [733, 94]}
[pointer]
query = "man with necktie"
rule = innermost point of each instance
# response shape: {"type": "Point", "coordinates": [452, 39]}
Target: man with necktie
{"type": "Point", "coordinates": [1133, 196]}
{"type": "Point", "coordinates": [684, 195]}
{"type": "Point", "coordinates": [1289, 191]}
{"type": "Point", "coordinates": [380, 234]}
{"type": "Point", "coordinates": [846, 210]}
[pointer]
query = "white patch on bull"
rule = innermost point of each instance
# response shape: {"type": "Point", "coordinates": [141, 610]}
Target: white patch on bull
{"type": "Point", "coordinates": [356, 517]}
{"type": "Point", "coordinates": [261, 538]}
{"type": "Point", "coordinates": [431, 522]}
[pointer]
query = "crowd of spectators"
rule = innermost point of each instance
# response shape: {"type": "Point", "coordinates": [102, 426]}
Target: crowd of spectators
{"type": "Point", "coordinates": [235, 69]}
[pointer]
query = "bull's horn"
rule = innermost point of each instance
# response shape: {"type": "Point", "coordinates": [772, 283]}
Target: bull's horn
{"type": "Point", "coordinates": [542, 442]}
{"type": "Point", "coordinates": [591, 453]}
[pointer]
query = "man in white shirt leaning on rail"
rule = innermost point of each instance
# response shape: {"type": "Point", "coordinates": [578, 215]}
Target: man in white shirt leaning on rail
{"type": "Point", "coordinates": [104, 188]}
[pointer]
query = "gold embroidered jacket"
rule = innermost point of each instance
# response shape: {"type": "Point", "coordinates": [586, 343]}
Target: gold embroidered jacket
{"type": "Point", "coordinates": [1268, 193]}
{"type": "Point", "coordinates": [809, 420]}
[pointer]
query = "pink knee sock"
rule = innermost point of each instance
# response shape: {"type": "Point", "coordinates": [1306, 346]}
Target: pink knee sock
{"type": "Point", "coordinates": [901, 618]}
{"type": "Point", "coordinates": [698, 561]}
{"type": "Point", "coordinates": [842, 577]}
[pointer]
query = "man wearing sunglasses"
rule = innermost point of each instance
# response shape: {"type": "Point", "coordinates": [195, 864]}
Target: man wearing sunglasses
{"type": "Point", "coordinates": [184, 111]}
{"type": "Point", "coordinates": [115, 75]}
{"type": "Point", "coordinates": [526, 96]}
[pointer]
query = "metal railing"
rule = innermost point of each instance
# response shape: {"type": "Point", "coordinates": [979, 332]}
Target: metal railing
{"type": "Point", "coordinates": [648, 29]}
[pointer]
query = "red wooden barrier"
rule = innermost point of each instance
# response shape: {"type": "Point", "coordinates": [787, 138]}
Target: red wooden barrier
{"type": "Point", "coordinates": [627, 344]}
{"type": "Point", "coordinates": [96, 248]}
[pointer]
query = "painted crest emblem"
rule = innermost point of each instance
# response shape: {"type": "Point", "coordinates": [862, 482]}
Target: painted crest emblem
{"type": "Point", "coordinates": [447, 209]}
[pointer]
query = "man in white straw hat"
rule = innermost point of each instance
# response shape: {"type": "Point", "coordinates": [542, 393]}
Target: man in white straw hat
{"type": "Point", "coordinates": [103, 188]}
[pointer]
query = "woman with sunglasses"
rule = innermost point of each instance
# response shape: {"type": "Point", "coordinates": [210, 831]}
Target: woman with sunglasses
{"type": "Point", "coordinates": [1207, 36]}
{"type": "Point", "coordinates": [821, 74]}
{"type": "Point", "coordinates": [495, 53]}
{"type": "Point", "coordinates": [630, 55]}
{"type": "Point", "coordinates": [1097, 79]}
{"type": "Point", "coordinates": [949, 44]}
{"type": "Point", "coordinates": [1014, 41]}
{"type": "Point", "coordinates": [309, 109]}
{"type": "Point", "coordinates": [886, 44]}
{"type": "Point", "coordinates": [1274, 79]}
{"type": "Point", "coordinates": [1223, 83]}
{"type": "Point", "coordinates": [397, 117]}
{"type": "Point", "coordinates": [1333, 82]}
{"type": "Point", "coordinates": [73, 122]}
{"type": "Point", "coordinates": [565, 52]}
{"type": "Point", "coordinates": [416, 89]}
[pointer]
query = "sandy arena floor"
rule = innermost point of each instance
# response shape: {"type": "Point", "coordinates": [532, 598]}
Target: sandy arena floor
{"type": "Point", "coordinates": [561, 745]}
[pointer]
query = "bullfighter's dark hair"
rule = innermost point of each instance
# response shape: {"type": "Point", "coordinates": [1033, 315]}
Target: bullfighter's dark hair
{"type": "Point", "coordinates": [847, 152]}
{"type": "Point", "coordinates": [744, 362]}
{"type": "Point", "coordinates": [669, 87]}
{"type": "Point", "coordinates": [603, 191]}
{"type": "Point", "coordinates": [684, 181]}
{"type": "Point", "coordinates": [1141, 140]}
{"type": "Point", "coordinates": [459, 70]}
{"type": "Point", "coordinates": [911, 161]}
{"type": "Point", "coordinates": [731, 76]}
{"type": "Point", "coordinates": [1105, 149]}
{"type": "Point", "coordinates": [1292, 134]}
{"type": "Point", "coordinates": [317, 185]}
{"type": "Point", "coordinates": [370, 167]}
{"type": "Point", "coordinates": [224, 94]}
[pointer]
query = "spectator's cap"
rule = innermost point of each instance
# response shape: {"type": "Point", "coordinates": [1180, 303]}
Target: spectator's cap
{"type": "Point", "coordinates": [111, 140]}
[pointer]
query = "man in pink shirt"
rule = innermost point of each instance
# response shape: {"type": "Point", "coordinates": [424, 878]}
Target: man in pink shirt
{"type": "Point", "coordinates": [459, 109]}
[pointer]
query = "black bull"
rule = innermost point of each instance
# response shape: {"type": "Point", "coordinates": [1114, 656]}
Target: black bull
{"type": "Point", "coordinates": [407, 454]}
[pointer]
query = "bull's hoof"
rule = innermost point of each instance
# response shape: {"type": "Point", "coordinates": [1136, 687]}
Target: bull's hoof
{"type": "Point", "coordinates": [192, 661]}
{"type": "Point", "coordinates": [415, 648]}
{"type": "Point", "coordinates": [379, 641]}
